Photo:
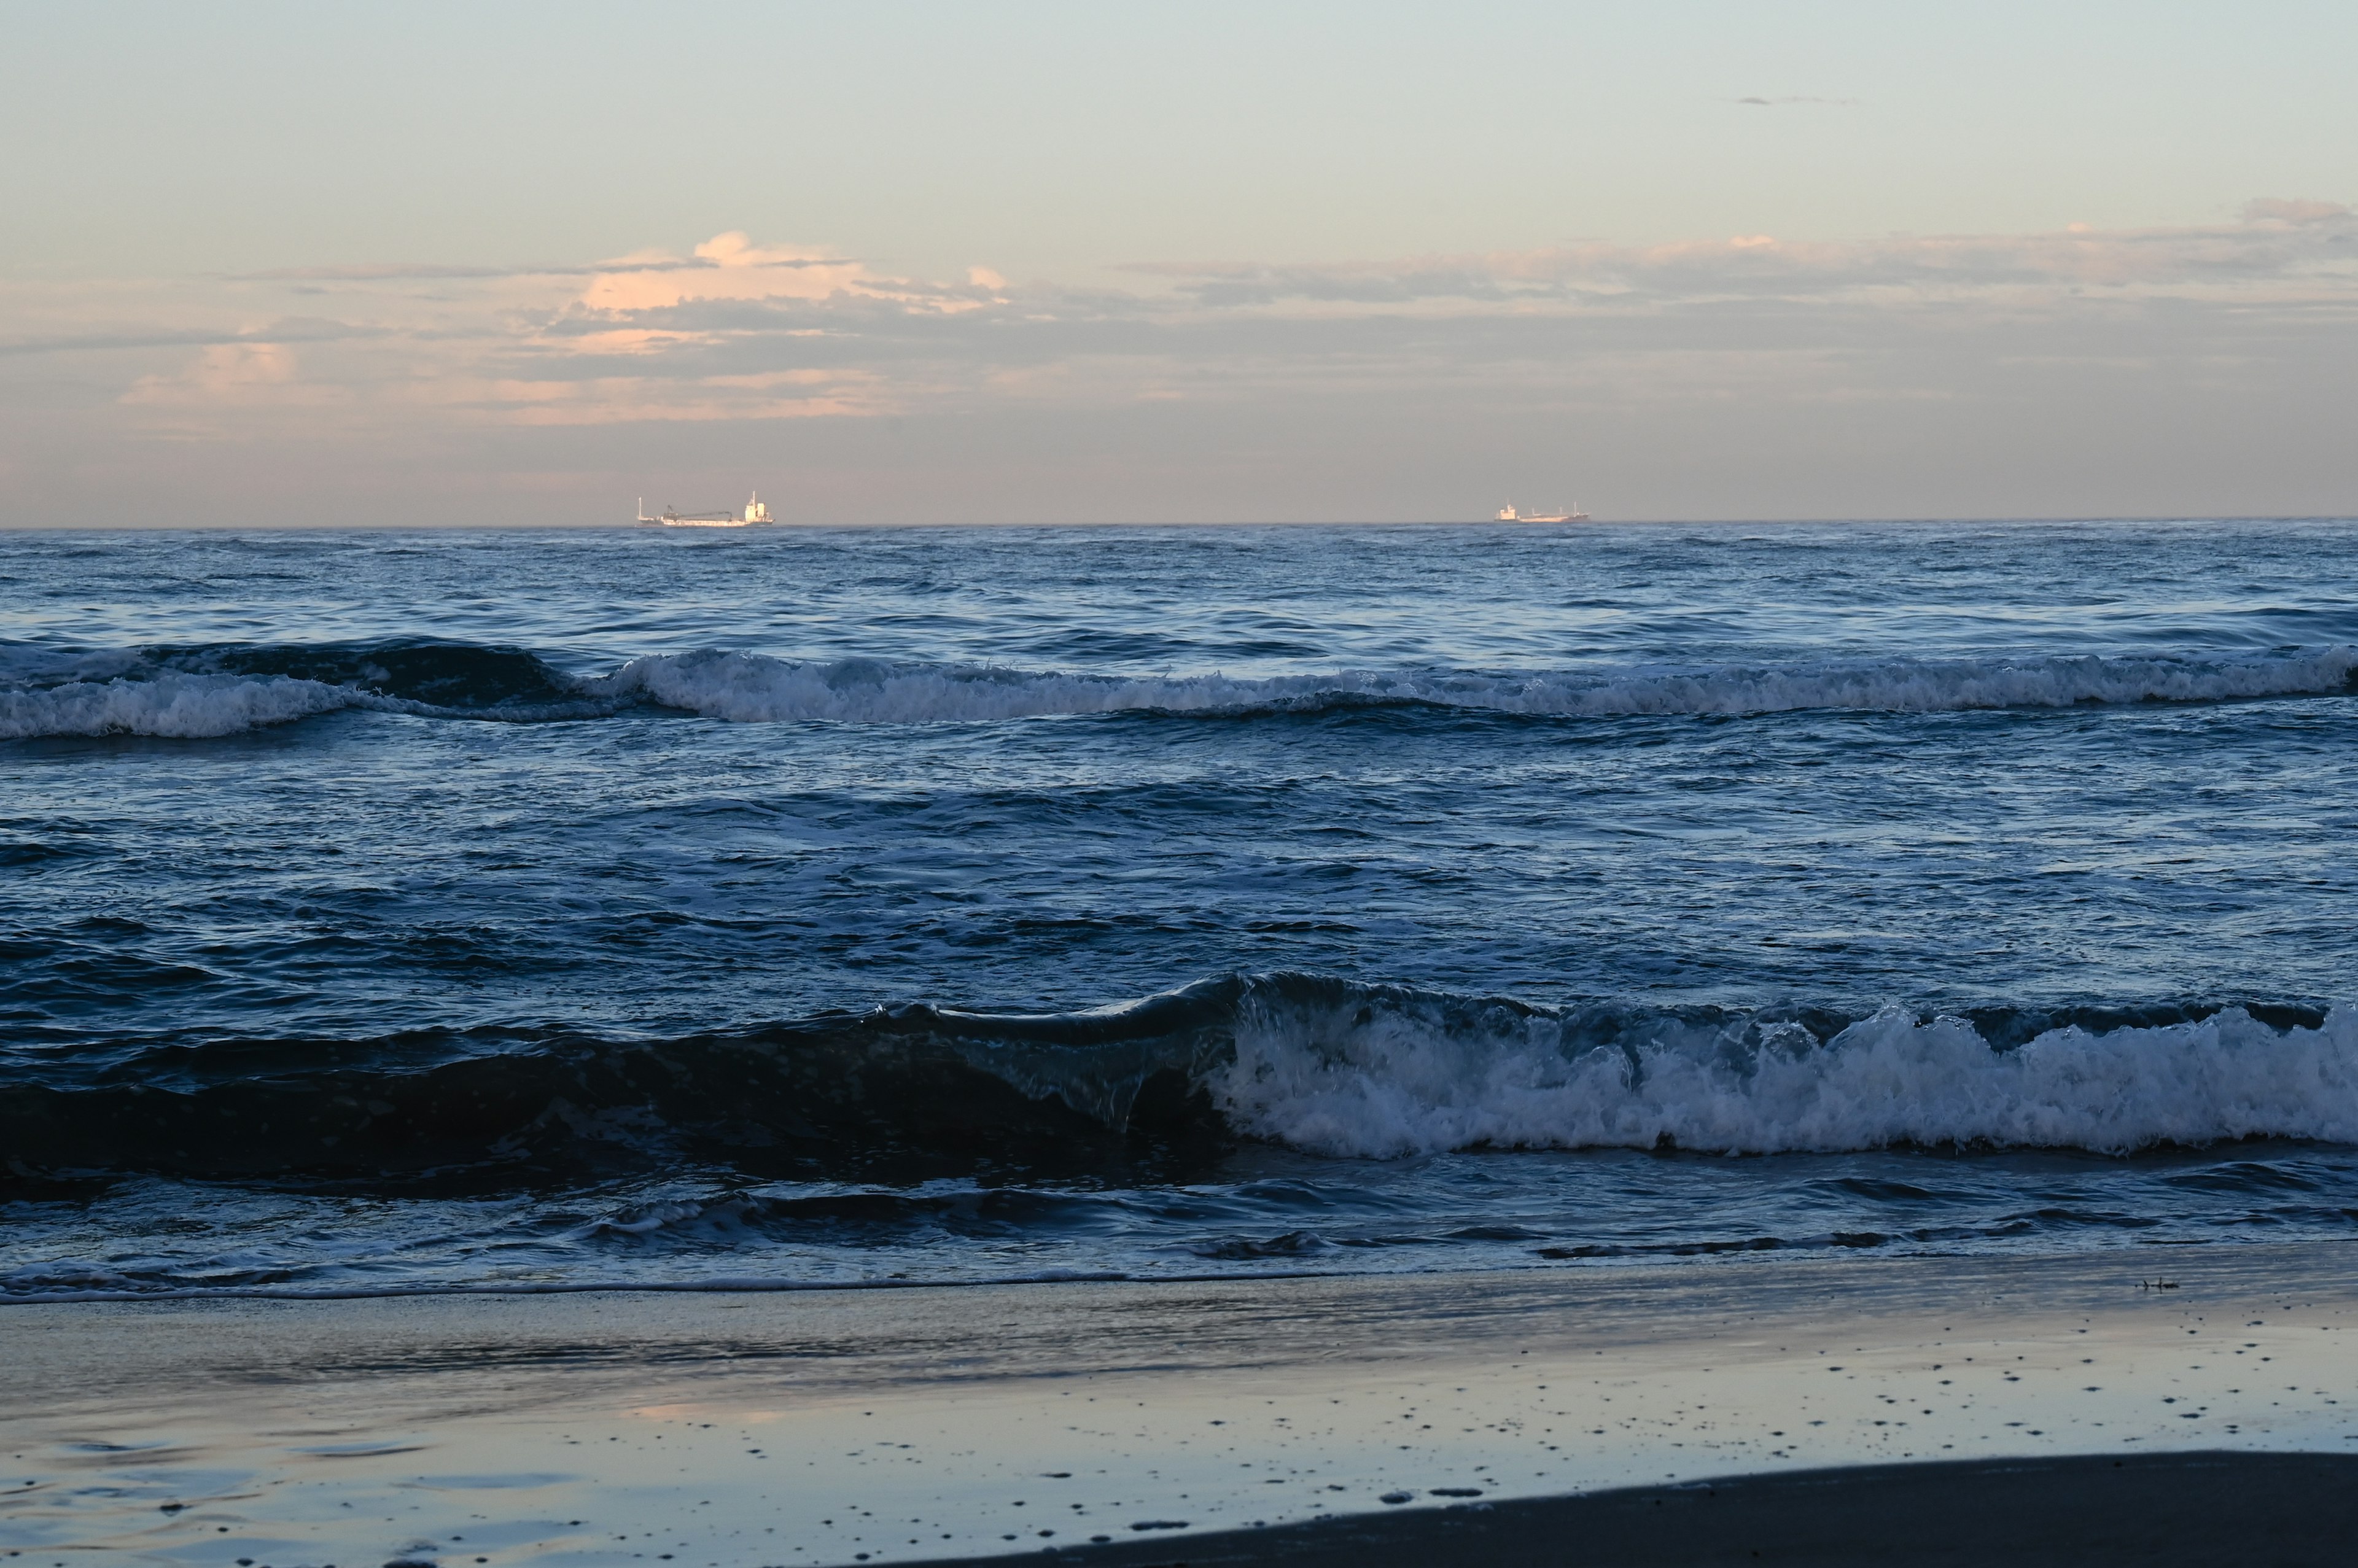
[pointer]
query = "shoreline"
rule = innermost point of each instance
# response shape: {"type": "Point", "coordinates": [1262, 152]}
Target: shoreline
{"type": "Point", "coordinates": [925, 1425]}
{"type": "Point", "coordinates": [1666, 1267]}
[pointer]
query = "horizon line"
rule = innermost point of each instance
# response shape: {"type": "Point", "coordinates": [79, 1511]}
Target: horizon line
{"type": "Point", "coordinates": [1592, 522]}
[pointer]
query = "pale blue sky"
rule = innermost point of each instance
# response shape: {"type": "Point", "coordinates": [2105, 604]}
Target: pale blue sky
{"type": "Point", "coordinates": [155, 152]}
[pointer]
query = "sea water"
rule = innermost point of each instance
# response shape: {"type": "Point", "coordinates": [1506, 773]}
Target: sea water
{"type": "Point", "coordinates": [554, 909]}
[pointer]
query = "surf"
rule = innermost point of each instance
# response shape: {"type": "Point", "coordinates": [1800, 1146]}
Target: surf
{"type": "Point", "coordinates": [1315, 1064]}
{"type": "Point", "coordinates": [195, 692]}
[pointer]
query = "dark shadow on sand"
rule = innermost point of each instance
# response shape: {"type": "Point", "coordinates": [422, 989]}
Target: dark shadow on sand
{"type": "Point", "coordinates": [2254, 1510]}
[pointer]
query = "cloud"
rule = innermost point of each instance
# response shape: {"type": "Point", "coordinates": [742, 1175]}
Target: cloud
{"type": "Point", "coordinates": [665, 343]}
{"type": "Point", "coordinates": [2282, 248]}
{"type": "Point", "coordinates": [733, 330]}
{"type": "Point", "coordinates": [224, 370]}
{"type": "Point", "coordinates": [375, 272]}
{"type": "Point", "coordinates": [286, 329]}
{"type": "Point", "coordinates": [104, 341]}
{"type": "Point", "coordinates": [730, 267]}
{"type": "Point", "coordinates": [398, 272]}
{"type": "Point", "coordinates": [626, 400]}
{"type": "Point", "coordinates": [230, 389]}
{"type": "Point", "coordinates": [2272, 210]}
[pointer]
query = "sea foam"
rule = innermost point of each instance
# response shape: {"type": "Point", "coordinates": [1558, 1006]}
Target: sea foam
{"type": "Point", "coordinates": [1413, 1076]}
{"type": "Point", "coordinates": [188, 707]}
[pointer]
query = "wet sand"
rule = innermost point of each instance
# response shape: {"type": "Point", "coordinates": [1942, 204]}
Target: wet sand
{"type": "Point", "coordinates": [1162, 1422]}
{"type": "Point", "coordinates": [2154, 1511]}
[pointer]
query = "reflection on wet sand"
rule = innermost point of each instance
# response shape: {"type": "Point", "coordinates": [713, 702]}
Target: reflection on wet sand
{"type": "Point", "coordinates": [827, 1428]}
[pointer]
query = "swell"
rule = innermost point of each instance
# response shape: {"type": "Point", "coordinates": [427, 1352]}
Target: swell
{"type": "Point", "coordinates": [199, 691]}
{"type": "Point", "coordinates": [1315, 1063]}
{"type": "Point", "coordinates": [203, 691]}
{"type": "Point", "coordinates": [755, 688]}
{"type": "Point", "coordinates": [902, 1092]}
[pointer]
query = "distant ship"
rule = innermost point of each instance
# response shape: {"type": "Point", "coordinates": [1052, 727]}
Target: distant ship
{"type": "Point", "coordinates": [1508, 514]}
{"type": "Point", "coordinates": [754, 513]}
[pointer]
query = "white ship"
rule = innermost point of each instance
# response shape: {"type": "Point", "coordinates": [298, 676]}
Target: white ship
{"type": "Point", "coordinates": [755, 512]}
{"type": "Point", "coordinates": [1509, 513]}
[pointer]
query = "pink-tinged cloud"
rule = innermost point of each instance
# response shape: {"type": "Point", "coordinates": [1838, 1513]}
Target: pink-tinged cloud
{"type": "Point", "coordinates": [1696, 346]}
{"type": "Point", "coordinates": [236, 389]}
{"type": "Point", "coordinates": [225, 376]}
{"type": "Point", "coordinates": [730, 267]}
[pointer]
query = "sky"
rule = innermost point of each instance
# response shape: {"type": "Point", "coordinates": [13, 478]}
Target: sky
{"type": "Point", "coordinates": [1020, 262]}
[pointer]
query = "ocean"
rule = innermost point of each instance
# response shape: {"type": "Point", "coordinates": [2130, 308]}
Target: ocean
{"type": "Point", "coordinates": [442, 909]}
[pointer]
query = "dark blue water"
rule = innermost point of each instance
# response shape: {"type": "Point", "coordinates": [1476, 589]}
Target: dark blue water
{"type": "Point", "coordinates": [408, 910]}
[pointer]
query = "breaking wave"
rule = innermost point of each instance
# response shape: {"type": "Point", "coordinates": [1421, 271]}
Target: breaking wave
{"type": "Point", "coordinates": [202, 692]}
{"type": "Point", "coordinates": [194, 692]}
{"type": "Point", "coordinates": [182, 706]}
{"type": "Point", "coordinates": [755, 688]}
{"type": "Point", "coordinates": [1317, 1063]}
{"type": "Point", "coordinates": [1409, 1073]}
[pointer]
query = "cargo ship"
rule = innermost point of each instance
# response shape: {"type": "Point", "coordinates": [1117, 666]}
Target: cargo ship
{"type": "Point", "coordinates": [754, 514]}
{"type": "Point", "coordinates": [1509, 514]}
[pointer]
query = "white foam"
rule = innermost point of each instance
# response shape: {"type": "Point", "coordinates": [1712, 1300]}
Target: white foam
{"type": "Point", "coordinates": [1392, 1081]}
{"type": "Point", "coordinates": [186, 706]}
{"type": "Point", "coordinates": [752, 687]}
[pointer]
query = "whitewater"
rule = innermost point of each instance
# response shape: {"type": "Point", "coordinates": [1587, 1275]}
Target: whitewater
{"type": "Point", "coordinates": [453, 909]}
{"type": "Point", "coordinates": [1404, 1083]}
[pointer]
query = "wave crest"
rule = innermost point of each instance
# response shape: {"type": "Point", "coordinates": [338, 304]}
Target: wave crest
{"type": "Point", "coordinates": [185, 707]}
{"type": "Point", "coordinates": [757, 688]}
{"type": "Point", "coordinates": [210, 690]}
{"type": "Point", "coordinates": [1409, 1073]}
{"type": "Point", "coordinates": [1322, 1064]}
{"type": "Point", "coordinates": [220, 690]}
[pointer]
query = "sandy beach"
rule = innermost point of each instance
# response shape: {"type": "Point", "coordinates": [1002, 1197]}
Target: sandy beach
{"type": "Point", "coordinates": [2107, 1406]}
